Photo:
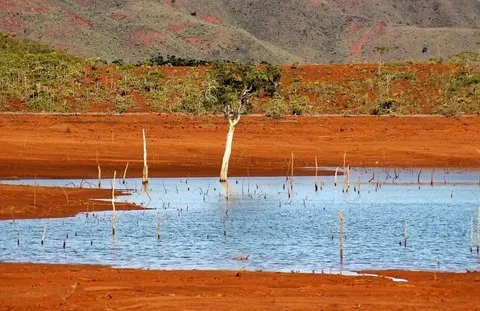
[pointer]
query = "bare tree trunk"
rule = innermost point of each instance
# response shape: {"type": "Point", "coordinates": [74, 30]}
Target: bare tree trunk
{"type": "Point", "coordinates": [228, 149]}
{"type": "Point", "coordinates": [145, 165]}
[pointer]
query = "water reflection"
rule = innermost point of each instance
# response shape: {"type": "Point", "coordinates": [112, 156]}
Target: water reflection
{"type": "Point", "coordinates": [199, 224]}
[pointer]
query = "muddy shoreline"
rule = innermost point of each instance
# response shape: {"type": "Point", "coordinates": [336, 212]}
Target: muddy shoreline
{"type": "Point", "coordinates": [80, 287]}
{"type": "Point", "coordinates": [56, 146]}
{"type": "Point", "coordinates": [34, 202]}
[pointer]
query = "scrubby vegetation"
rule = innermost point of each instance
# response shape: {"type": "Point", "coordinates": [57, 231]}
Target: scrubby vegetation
{"type": "Point", "coordinates": [37, 78]}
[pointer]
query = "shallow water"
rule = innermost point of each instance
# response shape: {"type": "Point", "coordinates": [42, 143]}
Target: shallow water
{"type": "Point", "coordinates": [201, 229]}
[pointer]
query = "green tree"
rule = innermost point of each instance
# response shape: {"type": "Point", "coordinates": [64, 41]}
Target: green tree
{"type": "Point", "coordinates": [231, 87]}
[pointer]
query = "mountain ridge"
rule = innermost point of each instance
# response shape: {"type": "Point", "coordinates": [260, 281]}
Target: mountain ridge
{"type": "Point", "coordinates": [309, 31]}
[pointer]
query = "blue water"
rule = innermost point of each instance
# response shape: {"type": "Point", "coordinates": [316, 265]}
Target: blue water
{"type": "Point", "coordinates": [201, 229]}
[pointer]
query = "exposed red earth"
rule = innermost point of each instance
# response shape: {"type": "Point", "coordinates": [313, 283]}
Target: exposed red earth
{"type": "Point", "coordinates": [65, 287]}
{"type": "Point", "coordinates": [66, 146]}
{"type": "Point", "coordinates": [21, 202]}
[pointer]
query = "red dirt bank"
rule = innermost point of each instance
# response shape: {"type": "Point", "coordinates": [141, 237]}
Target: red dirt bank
{"type": "Point", "coordinates": [64, 287]}
{"type": "Point", "coordinates": [20, 202]}
{"type": "Point", "coordinates": [66, 146]}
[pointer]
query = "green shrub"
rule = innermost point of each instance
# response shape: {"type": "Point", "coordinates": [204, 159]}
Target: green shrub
{"type": "Point", "coordinates": [465, 58]}
{"type": "Point", "coordinates": [275, 108]}
{"type": "Point", "coordinates": [299, 104]}
{"type": "Point", "coordinates": [193, 103]}
{"type": "Point", "coordinates": [123, 103]}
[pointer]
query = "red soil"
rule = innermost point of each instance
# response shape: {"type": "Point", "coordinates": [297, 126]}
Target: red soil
{"type": "Point", "coordinates": [356, 50]}
{"type": "Point", "coordinates": [75, 19]}
{"type": "Point", "coordinates": [9, 24]}
{"type": "Point", "coordinates": [19, 202]}
{"type": "Point", "coordinates": [7, 5]}
{"type": "Point", "coordinates": [36, 6]}
{"type": "Point", "coordinates": [179, 27]}
{"type": "Point", "coordinates": [85, 3]}
{"type": "Point", "coordinates": [25, 6]}
{"type": "Point", "coordinates": [145, 37]}
{"type": "Point", "coordinates": [66, 146]}
{"type": "Point", "coordinates": [212, 19]}
{"type": "Point", "coordinates": [197, 39]}
{"type": "Point", "coordinates": [118, 17]}
{"type": "Point", "coordinates": [65, 287]}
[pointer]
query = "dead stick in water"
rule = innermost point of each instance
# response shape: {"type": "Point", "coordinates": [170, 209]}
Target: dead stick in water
{"type": "Point", "coordinates": [35, 192]}
{"type": "Point", "coordinates": [291, 177]}
{"type": "Point", "coordinates": [288, 169]}
{"type": "Point", "coordinates": [358, 186]}
{"type": "Point", "coordinates": [471, 235]}
{"type": "Point", "coordinates": [316, 174]}
{"type": "Point", "coordinates": [348, 177]}
{"type": "Point", "coordinates": [405, 233]}
{"type": "Point", "coordinates": [340, 218]}
{"type": "Point", "coordinates": [99, 172]}
{"type": "Point", "coordinates": [478, 229]}
{"type": "Point", "coordinates": [113, 203]}
{"type": "Point", "coordinates": [145, 166]}
{"type": "Point", "coordinates": [44, 235]}
{"type": "Point", "coordinates": [125, 173]}
{"type": "Point", "coordinates": [335, 180]}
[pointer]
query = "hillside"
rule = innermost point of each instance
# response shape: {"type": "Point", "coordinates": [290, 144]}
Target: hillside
{"type": "Point", "coordinates": [37, 78]}
{"type": "Point", "coordinates": [305, 31]}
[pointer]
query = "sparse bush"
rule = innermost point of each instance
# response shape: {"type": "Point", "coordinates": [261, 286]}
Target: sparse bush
{"type": "Point", "coordinates": [435, 61]}
{"type": "Point", "coordinates": [193, 103]}
{"type": "Point", "coordinates": [299, 104]}
{"type": "Point", "coordinates": [123, 103]}
{"type": "Point", "coordinates": [452, 108]}
{"type": "Point", "coordinates": [385, 106]}
{"type": "Point", "coordinates": [275, 108]}
{"type": "Point", "coordinates": [465, 58]}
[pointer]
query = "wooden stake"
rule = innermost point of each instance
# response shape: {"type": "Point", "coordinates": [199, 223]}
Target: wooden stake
{"type": "Point", "coordinates": [478, 229]}
{"type": "Point", "coordinates": [471, 235]}
{"type": "Point", "coordinates": [348, 177]}
{"type": "Point", "coordinates": [44, 235]}
{"type": "Point", "coordinates": [291, 177]}
{"type": "Point", "coordinates": [431, 177]}
{"type": "Point", "coordinates": [35, 192]}
{"type": "Point", "coordinates": [145, 166]}
{"type": "Point", "coordinates": [358, 186]}
{"type": "Point", "coordinates": [405, 233]}
{"type": "Point", "coordinates": [99, 176]}
{"type": "Point", "coordinates": [66, 195]}
{"type": "Point", "coordinates": [113, 203]}
{"type": "Point", "coordinates": [335, 180]}
{"type": "Point", "coordinates": [288, 169]}
{"type": "Point", "coordinates": [99, 172]}
{"type": "Point", "coordinates": [316, 174]}
{"type": "Point", "coordinates": [292, 165]}
{"type": "Point", "coordinates": [125, 173]}
{"type": "Point", "coordinates": [158, 227]}
{"type": "Point", "coordinates": [340, 218]}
